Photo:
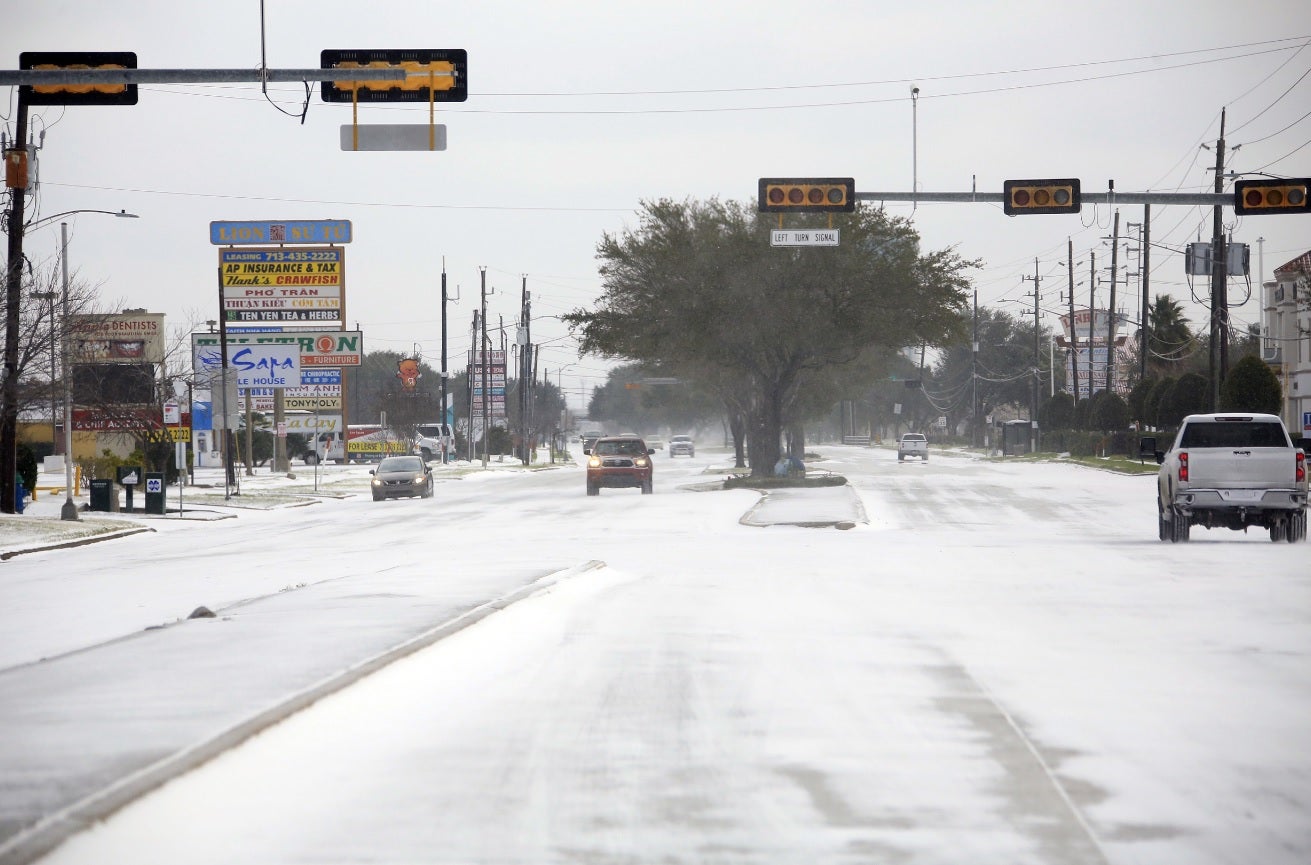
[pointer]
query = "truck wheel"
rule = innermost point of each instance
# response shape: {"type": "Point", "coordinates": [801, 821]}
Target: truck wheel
{"type": "Point", "coordinates": [1277, 531]}
{"type": "Point", "coordinates": [311, 459]}
{"type": "Point", "coordinates": [648, 487]}
{"type": "Point", "coordinates": [900, 457]}
{"type": "Point", "coordinates": [593, 490]}
{"type": "Point", "coordinates": [1164, 528]}
{"type": "Point", "coordinates": [1181, 527]}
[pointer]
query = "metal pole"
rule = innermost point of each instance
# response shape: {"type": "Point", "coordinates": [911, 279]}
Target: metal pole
{"type": "Point", "coordinates": [69, 510]}
{"type": "Point", "coordinates": [229, 467]}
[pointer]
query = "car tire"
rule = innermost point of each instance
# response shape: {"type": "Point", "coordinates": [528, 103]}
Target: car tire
{"type": "Point", "coordinates": [1164, 528]}
{"type": "Point", "coordinates": [648, 487]}
{"type": "Point", "coordinates": [379, 498]}
{"type": "Point", "coordinates": [311, 459]}
{"type": "Point", "coordinates": [593, 490]}
{"type": "Point", "coordinates": [1181, 528]}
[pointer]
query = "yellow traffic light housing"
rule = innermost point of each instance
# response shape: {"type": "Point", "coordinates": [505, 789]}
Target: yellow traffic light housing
{"type": "Point", "coordinates": [78, 94]}
{"type": "Point", "coordinates": [1041, 196]}
{"type": "Point", "coordinates": [807, 195]}
{"type": "Point", "coordinates": [433, 75]}
{"type": "Point", "coordinates": [1272, 196]}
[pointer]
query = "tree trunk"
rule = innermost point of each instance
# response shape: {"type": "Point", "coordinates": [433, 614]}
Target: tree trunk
{"type": "Point", "coordinates": [737, 427]}
{"type": "Point", "coordinates": [764, 430]}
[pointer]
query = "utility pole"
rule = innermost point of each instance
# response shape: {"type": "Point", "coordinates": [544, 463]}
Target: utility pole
{"type": "Point", "coordinates": [486, 361]}
{"type": "Point", "coordinates": [525, 357]}
{"type": "Point", "coordinates": [1074, 339]}
{"type": "Point", "coordinates": [1110, 318]}
{"type": "Point", "coordinates": [1219, 271]}
{"type": "Point", "coordinates": [1033, 396]}
{"type": "Point", "coordinates": [13, 298]}
{"type": "Point", "coordinates": [974, 373]}
{"type": "Point", "coordinates": [1147, 281]}
{"type": "Point", "coordinates": [445, 450]}
{"type": "Point", "coordinates": [1092, 315]}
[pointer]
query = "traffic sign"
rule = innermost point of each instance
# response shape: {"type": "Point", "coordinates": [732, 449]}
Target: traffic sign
{"type": "Point", "coordinates": [393, 136]}
{"type": "Point", "coordinates": [806, 237]}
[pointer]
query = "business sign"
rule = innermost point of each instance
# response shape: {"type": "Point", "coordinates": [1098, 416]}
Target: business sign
{"type": "Point", "coordinates": [319, 349]}
{"type": "Point", "coordinates": [1306, 424]}
{"type": "Point", "coordinates": [313, 424]}
{"type": "Point", "coordinates": [128, 338]}
{"type": "Point", "coordinates": [279, 284]}
{"type": "Point", "coordinates": [809, 237]}
{"type": "Point", "coordinates": [287, 231]}
{"type": "Point", "coordinates": [265, 365]}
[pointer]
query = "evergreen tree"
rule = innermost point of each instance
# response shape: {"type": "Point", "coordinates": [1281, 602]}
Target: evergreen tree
{"type": "Point", "coordinates": [1251, 386]}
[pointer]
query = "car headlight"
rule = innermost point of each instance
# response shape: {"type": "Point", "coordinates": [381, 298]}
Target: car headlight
{"type": "Point", "coordinates": [377, 482]}
{"type": "Point", "coordinates": [640, 462]}
{"type": "Point", "coordinates": [418, 479]}
{"type": "Point", "coordinates": [593, 462]}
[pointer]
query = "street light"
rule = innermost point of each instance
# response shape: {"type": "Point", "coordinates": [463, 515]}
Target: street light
{"type": "Point", "coordinates": [69, 509]}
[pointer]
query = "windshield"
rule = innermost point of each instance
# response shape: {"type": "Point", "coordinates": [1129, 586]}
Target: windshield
{"type": "Point", "coordinates": [401, 464]}
{"type": "Point", "coordinates": [621, 447]}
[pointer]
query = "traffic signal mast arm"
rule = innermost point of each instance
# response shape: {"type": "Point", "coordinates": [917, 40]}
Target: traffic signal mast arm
{"type": "Point", "coordinates": [194, 76]}
{"type": "Point", "coordinates": [1208, 199]}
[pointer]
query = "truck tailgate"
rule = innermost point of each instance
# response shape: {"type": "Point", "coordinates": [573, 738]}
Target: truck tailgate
{"type": "Point", "coordinates": [1241, 468]}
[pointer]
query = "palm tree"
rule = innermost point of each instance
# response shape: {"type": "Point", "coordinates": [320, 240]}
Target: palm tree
{"type": "Point", "coordinates": [1169, 339]}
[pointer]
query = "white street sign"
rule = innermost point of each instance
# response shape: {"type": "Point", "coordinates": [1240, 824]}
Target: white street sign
{"type": "Point", "coordinates": [808, 237]}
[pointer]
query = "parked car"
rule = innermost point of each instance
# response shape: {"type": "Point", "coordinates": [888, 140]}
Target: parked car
{"type": "Point", "coordinates": [681, 445]}
{"type": "Point", "coordinates": [620, 461]}
{"type": "Point", "coordinates": [401, 476]}
{"type": "Point", "coordinates": [589, 438]}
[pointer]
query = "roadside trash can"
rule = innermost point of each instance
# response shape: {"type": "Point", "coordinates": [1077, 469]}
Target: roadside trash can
{"type": "Point", "coordinates": [103, 495]}
{"type": "Point", "coordinates": [20, 495]}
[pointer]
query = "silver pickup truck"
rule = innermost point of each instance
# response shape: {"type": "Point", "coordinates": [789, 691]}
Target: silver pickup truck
{"type": "Point", "coordinates": [1232, 470]}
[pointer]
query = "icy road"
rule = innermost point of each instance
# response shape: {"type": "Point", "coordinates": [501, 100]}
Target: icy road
{"type": "Point", "coordinates": [1002, 665]}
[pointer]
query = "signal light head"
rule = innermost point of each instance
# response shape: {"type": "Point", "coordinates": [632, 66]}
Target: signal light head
{"type": "Point", "coordinates": [807, 194]}
{"type": "Point", "coordinates": [1041, 196]}
{"type": "Point", "coordinates": [1272, 196]}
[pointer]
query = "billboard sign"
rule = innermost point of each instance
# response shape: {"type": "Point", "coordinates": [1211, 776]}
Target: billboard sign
{"type": "Point", "coordinates": [280, 284]}
{"type": "Point", "coordinates": [128, 337]}
{"type": "Point", "coordinates": [321, 231]}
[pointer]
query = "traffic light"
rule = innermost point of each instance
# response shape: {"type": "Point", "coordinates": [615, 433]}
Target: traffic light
{"type": "Point", "coordinates": [807, 195]}
{"type": "Point", "coordinates": [78, 94]}
{"type": "Point", "coordinates": [1272, 196]}
{"type": "Point", "coordinates": [419, 86]}
{"type": "Point", "coordinates": [1040, 196]}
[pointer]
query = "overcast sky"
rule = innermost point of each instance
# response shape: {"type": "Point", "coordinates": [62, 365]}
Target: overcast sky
{"type": "Point", "coordinates": [579, 111]}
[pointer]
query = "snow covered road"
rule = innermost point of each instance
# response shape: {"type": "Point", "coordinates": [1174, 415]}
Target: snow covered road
{"type": "Point", "coordinates": [1004, 665]}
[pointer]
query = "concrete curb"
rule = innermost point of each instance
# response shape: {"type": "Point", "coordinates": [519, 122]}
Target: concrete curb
{"type": "Point", "coordinates": [79, 542]}
{"type": "Point", "coordinates": [52, 830]}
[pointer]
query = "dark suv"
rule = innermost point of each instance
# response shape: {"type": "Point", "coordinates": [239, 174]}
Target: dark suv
{"type": "Point", "coordinates": [619, 461]}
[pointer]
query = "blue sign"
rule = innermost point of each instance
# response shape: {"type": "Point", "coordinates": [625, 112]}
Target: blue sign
{"type": "Point", "coordinates": [322, 231]}
{"type": "Point", "coordinates": [1306, 423]}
